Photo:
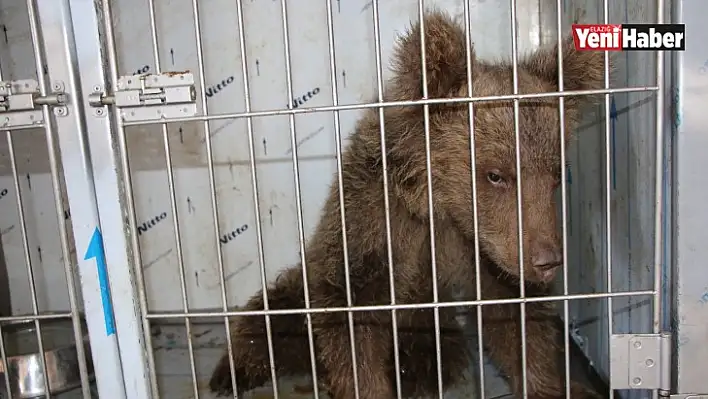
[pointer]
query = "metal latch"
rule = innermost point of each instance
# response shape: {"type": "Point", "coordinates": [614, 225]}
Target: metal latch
{"type": "Point", "coordinates": [21, 101]}
{"type": "Point", "coordinates": [151, 97]}
{"type": "Point", "coordinates": [640, 361]}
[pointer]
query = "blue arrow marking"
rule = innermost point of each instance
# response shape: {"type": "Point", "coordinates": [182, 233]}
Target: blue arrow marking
{"type": "Point", "coordinates": [95, 250]}
{"type": "Point", "coordinates": [613, 119]}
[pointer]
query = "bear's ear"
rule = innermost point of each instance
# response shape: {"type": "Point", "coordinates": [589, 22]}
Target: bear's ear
{"type": "Point", "coordinates": [582, 70]}
{"type": "Point", "coordinates": [445, 58]}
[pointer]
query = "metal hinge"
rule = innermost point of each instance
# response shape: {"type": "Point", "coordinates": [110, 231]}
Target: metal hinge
{"type": "Point", "coordinates": [150, 97]}
{"type": "Point", "coordinates": [640, 361]}
{"type": "Point", "coordinates": [21, 101]}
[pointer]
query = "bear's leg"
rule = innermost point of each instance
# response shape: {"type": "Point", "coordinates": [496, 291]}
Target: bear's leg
{"type": "Point", "coordinates": [372, 337]}
{"type": "Point", "coordinates": [418, 351]}
{"type": "Point", "coordinates": [373, 346]}
{"type": "Point", "coordinates": [545, 375]}
{"type": "Point", "coordinates": [250, 345]}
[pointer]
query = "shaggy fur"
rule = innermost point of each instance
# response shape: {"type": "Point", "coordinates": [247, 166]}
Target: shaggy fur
{"type": "Point", "coordinates": [539, 121]}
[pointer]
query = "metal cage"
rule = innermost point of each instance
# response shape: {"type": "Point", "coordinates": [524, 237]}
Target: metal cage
{"type": "Point", "coordinates": [180, 184]}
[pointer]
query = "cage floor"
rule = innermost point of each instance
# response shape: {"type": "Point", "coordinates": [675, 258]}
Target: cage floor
{"type": "Point", "coordinates": [172, 358]}
{"type": "Point", "coordinates": [175, 380]}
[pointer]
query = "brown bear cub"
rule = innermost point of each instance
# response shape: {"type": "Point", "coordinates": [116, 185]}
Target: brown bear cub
{"type": "Point", "coordinates": [449, 123]}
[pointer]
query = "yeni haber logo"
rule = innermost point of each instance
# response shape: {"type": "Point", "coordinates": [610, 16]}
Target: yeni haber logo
{"type": "Point", "coordinates": [608, 37]}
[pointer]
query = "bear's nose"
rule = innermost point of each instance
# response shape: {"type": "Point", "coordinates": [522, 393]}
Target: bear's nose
{"type": "Point", "coordinates": [547, 257]}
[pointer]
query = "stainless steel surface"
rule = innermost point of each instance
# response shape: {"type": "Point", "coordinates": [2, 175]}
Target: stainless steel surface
{"type": "Point", "coordinates": [24, 369]}
{"type": "Point", "coordinates": [608, 188]}
{"type": "Point", "coordinates": [690, 162]}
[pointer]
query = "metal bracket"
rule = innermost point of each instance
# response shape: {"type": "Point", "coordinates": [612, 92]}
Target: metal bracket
{"type": "Point", "coordinates": [21, 101]}
{"type": "Point", "coordinates": [640, 361]}
{"type": "Point", "coordinates": [150, 97]}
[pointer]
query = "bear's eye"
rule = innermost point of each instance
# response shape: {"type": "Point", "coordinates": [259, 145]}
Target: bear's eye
{"type": "Point", "coordinates": [494, 178]}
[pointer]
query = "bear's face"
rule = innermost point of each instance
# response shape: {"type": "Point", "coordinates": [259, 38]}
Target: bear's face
{"type": "Point", "coordinates": [497, 169]}
{"type": "Point", "coordinates": [498, 174]}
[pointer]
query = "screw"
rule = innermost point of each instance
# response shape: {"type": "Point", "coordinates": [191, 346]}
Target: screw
{"type": "Point", "coordinates": [649, 362]}
{"type": "Point", "coordinates": [637, 381]}
{"type": "Point", "coordinates": [60, 111]}
{"type": "Point", "coordinates": [637, 344]}
{"type": "Point", "coordinates": [96, 89]}
{"type": "Point", "coordinates": [99, 111]}
{"type": "Point", "coordinates": [57, 86]}
{"type": "Point", "coordinates": [61, 98]}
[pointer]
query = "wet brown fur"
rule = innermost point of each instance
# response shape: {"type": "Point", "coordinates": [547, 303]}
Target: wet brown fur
{"type": "Point", "coordinates": [454, 231]}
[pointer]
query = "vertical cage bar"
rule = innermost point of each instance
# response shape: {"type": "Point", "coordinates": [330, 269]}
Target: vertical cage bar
{"type": "Point", "coordinates": [659, 183]}
{"type": "Point", "coordinates": [173, 207]}
{"type": "Point", "coordinates": [298, 197]}
{"type": "Point", "coordinates": [38, 56]}
{"type": "Point", "coordinates": [608, 188]}
{"type": "Point", "coordinates": [340, 181]}
{"type": "Point", "coordinates": [130, 199]}
{"type": "Point", "coordinates": [659, 190]}
{"type": "Point", "coordinates": [180, 256]}
{"type": "Point", "coordinates": [256, 197]}
{"type": "Point", "coordinates": [93, 186]}
{"type": "Point", "coordinates": [431, 215]}
{"type": "Point", "coordinates": [475, 209]}
{"type": "Point", "coordinates": [25, 245]}
{"type": "Point", "coordinates": [3, 353]}
{"type": "Point", "coordinates": [519, 204]}
{"type": "Point", "coordinates": [564, 198]}
{"type": "Point", "coordinates": [212, 185]}
{"type": "Point", "coordinates": [387, 206]}
{"type": "Point", "coordinates": [51, 57]}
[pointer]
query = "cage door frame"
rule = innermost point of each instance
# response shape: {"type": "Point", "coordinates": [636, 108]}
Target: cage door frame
{"type": "Point", "coordinates": [74, 56]}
